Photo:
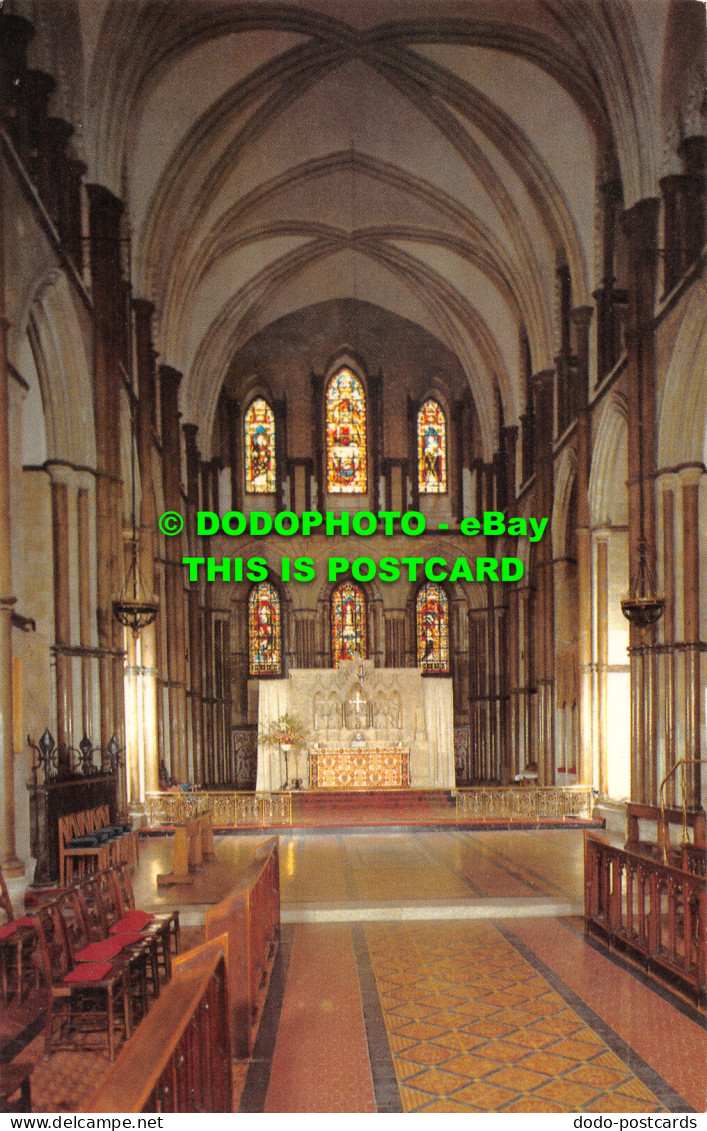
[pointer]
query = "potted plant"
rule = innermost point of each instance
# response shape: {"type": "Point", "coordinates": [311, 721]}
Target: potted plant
{"type": "Point", "coordinates": [288, 733]}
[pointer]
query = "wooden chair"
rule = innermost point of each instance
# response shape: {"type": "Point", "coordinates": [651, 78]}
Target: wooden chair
{"type": "Point", "coordinates": [128, 948]}
{"type": "Point", "coordinates": [15, 1078]}
{"type": "Point", "coordinates": [81, 998]}
{"type": "Point", "coordinates": [163, 925]}
{"type": "Point", "coordinates": [18, 940]}
{"type": "Point", "coordinates": [143, 945]}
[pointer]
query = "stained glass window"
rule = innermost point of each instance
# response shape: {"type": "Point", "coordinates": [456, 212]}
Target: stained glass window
{"type": "Point", "coordinates": [348, 623]}
{"type": "Point", "coordinates": [259, 448]}
{"type": "Point", "coordinates": [432, 629]}
{"type": "Point", "coordinates": [431, 449]}
{"type": "Point", "coordinates": [346, 463]}
{"type": "Point", "coordinates": [264, 630]}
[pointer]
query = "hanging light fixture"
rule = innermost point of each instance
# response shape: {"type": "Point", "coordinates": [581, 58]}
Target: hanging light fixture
{"type": "Point", "coordinates": [134, 608]}
{"type": "Point", "coordinates": [643, 606]}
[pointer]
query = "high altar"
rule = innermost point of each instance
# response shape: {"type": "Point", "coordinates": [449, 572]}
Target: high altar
{"type": "Point", "coordinates": [368, 728]}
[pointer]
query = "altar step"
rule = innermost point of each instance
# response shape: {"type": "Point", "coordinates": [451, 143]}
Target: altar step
{"type": "Point", "coordinates": [373, 807]}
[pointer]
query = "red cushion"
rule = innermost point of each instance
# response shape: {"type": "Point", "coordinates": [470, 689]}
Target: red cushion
{"type": "Point", "coordinates": [138, 918]}
{"type": "Point", "coordinates": [101, 951]}
{"type": "Point", "coordinates": [133, 921]}
{"type": "Point", "coordinates": [9, 928]}
{"type": "Point", "coordinates": [89, 972]}
{"type": "Point", "coordinates": [127, 938]}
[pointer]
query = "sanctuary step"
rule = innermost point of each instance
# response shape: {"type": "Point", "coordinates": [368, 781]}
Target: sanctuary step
{"type": "Point", "coordinates": [372, 806]}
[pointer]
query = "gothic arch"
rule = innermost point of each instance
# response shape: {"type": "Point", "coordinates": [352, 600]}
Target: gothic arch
{"type": "Point", "coordinates": [63, 367]}
{"type": "Point", "coordinates": [682, 422]}
{"type": "Point", "coordinates": [608, 495]}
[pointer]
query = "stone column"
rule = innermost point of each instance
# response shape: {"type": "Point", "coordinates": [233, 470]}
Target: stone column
{"type": "Point", "coordinates": [174, 584]}
{"type": "Point", "coordinates": [194, 606]}
{"type": "Point", "coordinates": [8, 855]}
{"type": "Point", "coordinates": [543, 628]}
{"type": "Point", "coordinates": [640, 225]}
{"type": "Point", "coordinates": [581, 320]}
{"type": "Point", "coordinates": [602, 658]}
{"type": "Point", "coordinates": [84, 547]}
{"type": "Point", "coordinates": [62, 613]}
{"type": "Point", "coordinates": [145, 777]}
{"type": "Point", "coordinates": [105, 211]}
{"type": "Point", "coordinates": [694, 647]}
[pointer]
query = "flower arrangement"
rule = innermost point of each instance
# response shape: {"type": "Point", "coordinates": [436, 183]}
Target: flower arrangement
{"type": "Point", "coordinates": [285, 731]}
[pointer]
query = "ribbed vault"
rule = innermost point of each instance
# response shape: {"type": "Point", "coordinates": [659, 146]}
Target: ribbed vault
{"type": "Point", "coordinates": [443, 163]}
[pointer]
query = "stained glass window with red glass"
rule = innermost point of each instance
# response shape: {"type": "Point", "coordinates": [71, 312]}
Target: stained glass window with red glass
{"type": "Point", "coordinates": [432, 629]}
{"type": "Point", "coordinates": [431, 449]}
{"type": "Point", "coordinates": [264, 632]}
{"type": "Point", "coordinates": [348, 623]}
{"type": "Point", "coordinates": [259, 448]}
{"type": "Point", "coordinates": [346, 458]}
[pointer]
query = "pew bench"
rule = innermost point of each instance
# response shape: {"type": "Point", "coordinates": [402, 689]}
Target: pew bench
{"type": "Point", "coordinates": [89, 843]}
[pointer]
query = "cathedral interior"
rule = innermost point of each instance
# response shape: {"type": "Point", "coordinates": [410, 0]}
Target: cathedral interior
{"type": "Point", "coordinates": [353, 365]}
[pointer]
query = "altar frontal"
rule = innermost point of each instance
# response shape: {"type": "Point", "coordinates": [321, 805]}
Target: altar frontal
{"type": "Point", "coordinates": [368, 728]}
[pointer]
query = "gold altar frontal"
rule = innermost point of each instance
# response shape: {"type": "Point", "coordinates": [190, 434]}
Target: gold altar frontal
{"type": "Point", "coordinates": [348, 768]}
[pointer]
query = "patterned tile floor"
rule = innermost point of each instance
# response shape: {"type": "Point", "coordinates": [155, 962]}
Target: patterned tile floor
{"type": "Point", "coordinates": [462, 1016]}
{"type": "Point", "coordinates": [473, 1027]}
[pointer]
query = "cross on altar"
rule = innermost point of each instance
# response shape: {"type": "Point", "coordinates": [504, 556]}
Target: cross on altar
{"type": "Point", "coordinates": [357, 701]}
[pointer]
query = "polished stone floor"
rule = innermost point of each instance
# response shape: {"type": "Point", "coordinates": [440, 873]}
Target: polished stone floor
{"type": "Point", "coordinates": [439, 970]}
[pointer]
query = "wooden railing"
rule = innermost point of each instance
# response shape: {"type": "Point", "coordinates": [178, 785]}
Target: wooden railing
{"type": "Point", "coordinates": [689, 855]}
{"type": "Point", "coordinates": [524, 803]}
{"type": "Point", "coordinates": [250, 918]}
{"type": "Point", "coordinates": [648, 908]}
{"type": "Point", "coordinates": [179, 1058]}
{"type": "Point", "coordinates": [230, 808]}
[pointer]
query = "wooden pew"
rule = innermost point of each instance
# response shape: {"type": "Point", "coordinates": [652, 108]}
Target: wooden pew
{"type": "Point", "coordinates": [179, 1058]}
{"type": "Point", "coordinates": [249, 916]}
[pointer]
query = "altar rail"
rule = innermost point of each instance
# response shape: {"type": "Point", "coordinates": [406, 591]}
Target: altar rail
{"type": "Point", "coordinates": [229, 808]}
{"type": "Point", "coordinates": [524, 803]}
{"type": "Point", "coordinates": [648, 908]}
{"type": "Point", "coordinates": [233, 809]}
{"type": "Point", "coordinates": [179, 1058]}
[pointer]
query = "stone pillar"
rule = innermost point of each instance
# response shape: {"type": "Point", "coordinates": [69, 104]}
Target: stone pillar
{"type": "Point", "coordinates": [8, 854]}
{"type": "Point", "coordinates": [602, 658]}
{"type": "Point", "coordinates": [543, 627]}
{"type": "Point", "coordinates": [62, 614]}
{"type": "Point", "coordinates": [84, 548]}
{"type": "Point", "coordinates": [145, 776]}
{"type": "Point", "coordinates": [581, 319]}
{"type": "Point", "coordinates": [694, 647]}
{"type": "Point", "coordinates": [640, 226]}
{"type": "Point", "coordinates": [194, 607]}
{"type": "Point", "coordinates": [174, 583]}
{"type": "Point", "coordinates": [105, 211]}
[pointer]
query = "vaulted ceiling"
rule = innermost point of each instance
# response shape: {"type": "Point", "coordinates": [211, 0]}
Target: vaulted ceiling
{"type": "Point", "coordinates": [437, 158]}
